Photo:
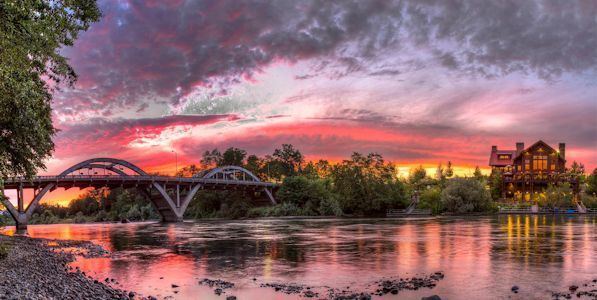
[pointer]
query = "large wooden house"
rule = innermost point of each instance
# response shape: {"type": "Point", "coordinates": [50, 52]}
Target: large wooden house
{"type": "Point", "coordinates": [526, 171]}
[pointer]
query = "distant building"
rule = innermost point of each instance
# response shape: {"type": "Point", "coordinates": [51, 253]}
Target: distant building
{"type": "Point", "coordinates": [526, 171]}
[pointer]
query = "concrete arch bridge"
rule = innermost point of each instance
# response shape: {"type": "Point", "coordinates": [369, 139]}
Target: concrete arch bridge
{"type": "Point", "coordinates": [169, 195]}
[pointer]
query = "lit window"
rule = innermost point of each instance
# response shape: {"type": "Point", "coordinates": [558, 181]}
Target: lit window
{"type": "Point", "coordinates": [540, 162]}
{"type": "Point", "coordinates": [503, 157]}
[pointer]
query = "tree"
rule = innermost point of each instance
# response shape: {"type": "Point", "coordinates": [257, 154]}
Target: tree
{"type": "Point", "coordinates": [591, 188]}
{"type": "Point", "coordinates": [576, 168]}
{"type": "Point", "coordinates": [477, 174]}
{"type": "Point", "coordinates": [211, 159]}
{"type": "Point", "coordinates": [32, 32]}
{"type": "Point", "coordinates": [291, 159]}
{"type": "Point", "coordinates": [304, 192]}
{"type": "Point", "coordinates": [449, 172]}
{"type": "Point", "coordinates": [463, 195]}
{"type": "Point", "coordinates": [233, 157]}
{"type": "Point", "coordinates": [367, 185]}
{"type": "Point", "coordinates": [417, 175]}
{"type": "Point", "coordinates": [188, 171]}
{"type": "Point", "coordinates": [439, 173]}
{"type": "Point", "coordinates": [496, 184]}
{"type": "Point", "coordinates": [255, 165]}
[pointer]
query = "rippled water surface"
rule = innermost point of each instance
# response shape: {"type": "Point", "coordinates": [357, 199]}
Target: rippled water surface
{"type": "Point", "coordinates": [482, 257]}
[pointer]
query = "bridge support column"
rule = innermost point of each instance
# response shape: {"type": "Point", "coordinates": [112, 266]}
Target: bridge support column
{"type": "Point", "coordinates": [21, 222]}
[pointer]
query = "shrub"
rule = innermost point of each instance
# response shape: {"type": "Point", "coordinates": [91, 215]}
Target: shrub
{"type": "Point", "coordinates": [431, 199]}
{"type": "Point", "coordinates": [589, 201]}
{"type": "Point", "coordinates": [464, 195]}
{"type": "Point", "coordinates": [330, 207]}
{"type": "Point", "coordinates": [279, 210]}
{"type": "Point", "coordinates": [79, 218]}
{"type": "Point", "coordinates": [134, 214]}
{"type": "Point", "coordinates": [238, 209]}
{"type": "Point", "coordinates": [3, 251]}
{"type": "Point", "coordinates": [557, 196]}
{"type": "Point", "coordinates": [101, 216]}
{"type": "Point", "coordinates": [304, 192]}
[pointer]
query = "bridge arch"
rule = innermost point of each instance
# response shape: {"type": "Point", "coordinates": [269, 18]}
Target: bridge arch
{"type": "Point", "coordinates": [107, 163]}
{"type": "Point", "coordinates": [110, 164]}
{"type": "Point", "coordinates": [232, 173]}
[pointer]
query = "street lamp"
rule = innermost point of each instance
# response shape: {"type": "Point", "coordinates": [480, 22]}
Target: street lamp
{"type": "Point", "coordinates": [176, 159]}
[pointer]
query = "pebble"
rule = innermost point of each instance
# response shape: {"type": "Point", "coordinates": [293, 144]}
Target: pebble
{"type": "Point", "coordinates": [434, 297]}
{"type": "Point", "coordinates": [37, 267]}
{"type": "Point", "coordinates": [573, 288]}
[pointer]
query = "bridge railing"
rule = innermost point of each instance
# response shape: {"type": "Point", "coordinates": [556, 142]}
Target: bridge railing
{"type": "Point", "coordinates": [157, 178]}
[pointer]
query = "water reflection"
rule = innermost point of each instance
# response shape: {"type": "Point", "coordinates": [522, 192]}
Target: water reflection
{"type": "Point", "coordinates": [481, 257]}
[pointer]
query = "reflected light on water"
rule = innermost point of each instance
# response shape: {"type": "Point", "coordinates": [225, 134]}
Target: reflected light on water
{"type": "Point", "coordinates": [482, 257]}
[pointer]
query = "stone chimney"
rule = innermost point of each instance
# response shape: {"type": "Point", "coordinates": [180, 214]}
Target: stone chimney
{"type": "Point", "coordinates": [493, 148]}
{"type": "Point", "coordinates": [563, 150]}
{"type": "Point", "coordinates": [519, 147]}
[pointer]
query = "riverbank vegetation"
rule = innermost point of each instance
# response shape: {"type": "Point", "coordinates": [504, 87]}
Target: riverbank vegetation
{"type": "Point", "coordinates": [362, 186]}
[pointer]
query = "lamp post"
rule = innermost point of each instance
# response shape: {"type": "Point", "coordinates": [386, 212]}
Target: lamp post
{"type": "Point", "coordinates": [176, 160]}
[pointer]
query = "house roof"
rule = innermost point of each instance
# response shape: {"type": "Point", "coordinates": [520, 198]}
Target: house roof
{"type": "Point", "coordinates": [494, 161]}
{"type": "Point", "coordinates": [539, 142]}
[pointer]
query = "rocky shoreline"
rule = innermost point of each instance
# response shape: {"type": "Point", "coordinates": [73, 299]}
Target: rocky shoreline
{"type": "Point", "coordinates": [38, 269]}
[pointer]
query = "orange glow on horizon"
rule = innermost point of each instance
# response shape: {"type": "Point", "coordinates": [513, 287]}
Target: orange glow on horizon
{"type": "Point", "coordinates": [63, 197]}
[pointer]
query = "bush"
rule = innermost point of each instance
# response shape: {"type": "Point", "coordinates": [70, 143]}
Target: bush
{"type": "Point", "coordinates": [79, 218]}
{"type": "Point", "coordinates": [589, 201]}
{"type": "Point", "coordinates": [279, 210]}
{"type": "Point", "coordinates": [330, 207]}
{"type": "Point", "coordinates": [3, 251]}
{"type": "Point", "coordinates": [304, 192]}
{"type": "Point", "coordinates": [101, 216]}
{"type": "Point", "coordinates": [134, 214]}
{"type": "Point", "coordinates": [46, 217]}
{"type": "Point", "coordinates": [465, 195]}
{"type": "Point", "coordinates": [557, 196]}
{"type": "Point", "coordinates": [431, 199]}
{"type": "Point", "coordinates": [238, 209]}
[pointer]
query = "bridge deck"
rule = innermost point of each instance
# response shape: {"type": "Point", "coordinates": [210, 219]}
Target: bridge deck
{"type": "Point", "coordinates": [128, 180]}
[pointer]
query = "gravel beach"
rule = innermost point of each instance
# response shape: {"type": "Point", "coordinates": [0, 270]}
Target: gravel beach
{"type": "Point", "coordinates": [38, 269]}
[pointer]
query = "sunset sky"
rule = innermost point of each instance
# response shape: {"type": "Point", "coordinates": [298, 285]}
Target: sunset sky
{"type": "Point", "coordinates": [420, 82]}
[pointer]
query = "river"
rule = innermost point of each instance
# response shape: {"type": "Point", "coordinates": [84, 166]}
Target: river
{"type": "Point", "coordinates": [481, 257]}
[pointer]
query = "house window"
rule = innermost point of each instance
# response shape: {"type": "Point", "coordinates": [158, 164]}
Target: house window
{"type": "Point", "coordinates": [504, 157]}
{"type": "Point", "coordinates": [540, 162]}
{"type": "Point", "coordinates": [527, 163]}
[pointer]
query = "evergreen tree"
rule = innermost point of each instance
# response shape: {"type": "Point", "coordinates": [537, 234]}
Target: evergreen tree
{"type": "Point", "coordinates": [449, 172]}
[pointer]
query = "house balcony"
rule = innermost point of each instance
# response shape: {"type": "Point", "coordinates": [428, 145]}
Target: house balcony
{"type": "Point", "coordinates": [542, 177]}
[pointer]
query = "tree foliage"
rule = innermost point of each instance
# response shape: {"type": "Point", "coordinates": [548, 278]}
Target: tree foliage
{"type": "Point", "coordinates": [591, 188]}
{"type": "Point", "coordinates": [465, 195]}
{"type": "Point", "coordinates": [32, 32]}
{"type": "Point", "coordinates": [367, 185]}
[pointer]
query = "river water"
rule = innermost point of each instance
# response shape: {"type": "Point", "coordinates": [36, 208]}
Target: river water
{"type": "Point", "coordinates": [481, 257]}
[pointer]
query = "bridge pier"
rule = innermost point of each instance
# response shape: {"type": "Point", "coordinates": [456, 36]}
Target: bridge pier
{"type": "Point", "coordinates": [21, 222]}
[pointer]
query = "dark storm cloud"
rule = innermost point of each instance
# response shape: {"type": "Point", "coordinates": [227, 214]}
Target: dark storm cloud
{"type": "Point", "coordinates": [159, 50]}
